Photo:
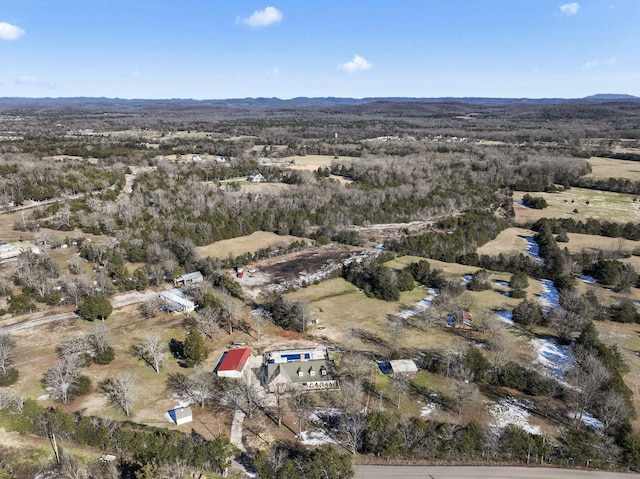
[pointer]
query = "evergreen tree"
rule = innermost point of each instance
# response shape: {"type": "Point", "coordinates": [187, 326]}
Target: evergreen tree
{"type": "Point", "coordinates": [194, 349]}
{"type": "Point", "coordinates": [95, 307]}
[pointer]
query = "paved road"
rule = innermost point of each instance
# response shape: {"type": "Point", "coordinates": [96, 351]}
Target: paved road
{"type": "Point", "coordinates": [480, 472]}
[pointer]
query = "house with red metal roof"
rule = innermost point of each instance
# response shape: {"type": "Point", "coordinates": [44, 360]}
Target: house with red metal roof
{"type": "Point", "coordinates": [233, 363]}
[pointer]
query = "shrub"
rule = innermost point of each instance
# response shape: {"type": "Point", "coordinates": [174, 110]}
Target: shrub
{"type": "Point", "coordinates": [10, 377]}
{"type": "Point", "coordinates": [104, 357]}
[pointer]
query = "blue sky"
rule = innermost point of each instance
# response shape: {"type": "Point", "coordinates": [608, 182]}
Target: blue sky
{"type": "Point", "coordinates": [214, 49]}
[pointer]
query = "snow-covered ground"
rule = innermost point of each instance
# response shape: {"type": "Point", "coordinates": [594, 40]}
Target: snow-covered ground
{"type": "Point", "coordinates": [316, 438]}
{"type": "Point", "coordinates": [549, 298]}
{"type": "Point", "coordinates": [428, 410]}
{"type": "Point", "coordinates": [420, 305]}
{"type": "Point", "coordinates": [589, 420]}
{"type": "Point", "coordinates": [505, 316]}
{"type": "Point", "coordinates": [532, 248]}
{"type": "Point", "coordinates": [511, 411]}
{"type": "Point", "coordinates": [555, 359]}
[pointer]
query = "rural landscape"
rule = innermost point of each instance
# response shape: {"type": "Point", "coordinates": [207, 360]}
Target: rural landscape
{"type": "Point", "coordinates": [305, 288]}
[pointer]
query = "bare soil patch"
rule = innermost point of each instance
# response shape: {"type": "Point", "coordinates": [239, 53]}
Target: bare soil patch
{"type": "Point", "coordinates": [287, 269]}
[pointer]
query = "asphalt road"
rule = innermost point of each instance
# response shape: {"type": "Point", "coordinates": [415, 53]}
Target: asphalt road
{"type": "Point", "coordinates": [480, 472]}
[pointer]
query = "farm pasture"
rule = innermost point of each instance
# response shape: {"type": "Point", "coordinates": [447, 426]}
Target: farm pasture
{"type": "Point", "coordinates": [603, 205]}
{"type": "Point", "coordinates": [246, 244]}
{"type": "Point", "coordinates": [508, 241]}
{"type": "Point", "coordinates": [613, 168]}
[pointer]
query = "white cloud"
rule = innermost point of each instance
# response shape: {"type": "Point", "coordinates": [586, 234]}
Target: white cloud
{"type": "Point", "coordinates": [10, 32]}
{"type": "Point", "coordinates": [590, 64]}
{"type": "Point", "coordinates": [597, 63]}
{"type": "Point", "coordinates": [569, 9]}
{"type": "Point", "coordinates": [263, 18]}
{"type": "Point", "coordinates": [357, 64]}
{"type": "Point", "coordinates": [27, 80]}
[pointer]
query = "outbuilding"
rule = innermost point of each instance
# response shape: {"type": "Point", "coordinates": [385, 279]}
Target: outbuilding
{"type": "Point", "coordinates": [403, 366]}
{"type": "Point", "coordinates": [181, 415]}
{"type": "Point", "coordinates": [233, 363]}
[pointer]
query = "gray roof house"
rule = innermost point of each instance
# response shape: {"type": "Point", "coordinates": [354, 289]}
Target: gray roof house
{"type": "Point", "coordinates": [307, 369]}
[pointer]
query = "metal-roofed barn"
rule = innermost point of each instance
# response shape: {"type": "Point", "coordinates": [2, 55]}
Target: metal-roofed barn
{"type": "Point", "coordinates": [233, 363]}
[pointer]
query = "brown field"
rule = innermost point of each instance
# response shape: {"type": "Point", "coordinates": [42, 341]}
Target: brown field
{"type": "Point", "coordinates": [313, 162]}
{"type": "Point", "coordinates": [612, 168]}
{"type": "Point", "coordinates": [508, 241]}
{"type": "Point", "coordinates": [592, 244]}
{"type": "Point", "coordinates": [603, 205]}
{"type": "Point", "coordinates": [246, 244]}
{"type": "Point", "coordinates": [340, 308]}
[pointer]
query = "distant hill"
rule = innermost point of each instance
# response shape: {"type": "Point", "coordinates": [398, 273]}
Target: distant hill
{"type": "Point", "coordinates": [304, 101]}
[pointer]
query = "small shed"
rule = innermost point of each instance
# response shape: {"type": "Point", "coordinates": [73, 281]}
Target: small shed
{"type": "Point", "coordinates": [403, 366]}
{"type": "Point", "coordinates": [233, 363]}
{"type": "Point", "coordinates": [181, 415]}
{"type": "Point", "coordinates": [189, 278]}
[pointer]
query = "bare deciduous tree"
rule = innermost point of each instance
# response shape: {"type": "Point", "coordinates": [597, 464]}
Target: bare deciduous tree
{"type": "Point", "coordinates": [60, 379]}
{"type": "Point", "coordinates": [245, 395]}
{"type": "Point", "coordinates": [7, 345]}
{"type": "Point", "coordinates": [198, 388]}
{"type": "Point", "coordinates": [352, 417]}
{"type": "Point", "coordinates": [120, 391]}
{"type": "Point", "coordinates": [152, 351]}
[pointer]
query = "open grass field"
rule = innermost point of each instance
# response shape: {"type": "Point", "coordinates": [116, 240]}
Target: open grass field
{"type": "Point", "coordinates": [612, 168]}
{"type": "Point", "coordinates": [592, 244]}
{"type": "Point", "coordinates": [603, 205]}
{"type": "Point", "coordinates": [313, 162]}
{"type": "Point", "coordinates": [246, 244]}
{"type": "Point", "coordinates": [508, 241]}
{"type": "Point", "coordinates": [35, 353]}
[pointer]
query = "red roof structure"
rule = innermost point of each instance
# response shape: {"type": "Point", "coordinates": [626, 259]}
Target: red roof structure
{"type": "Point", "coordinates": [233, 362]}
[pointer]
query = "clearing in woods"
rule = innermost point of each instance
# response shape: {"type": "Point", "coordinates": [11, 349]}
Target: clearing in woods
{"type": "Point", "coordinates": [612, 168]}
{"type": "Point", "coordinates": [247, 244]}
{"type": "Point", "coordinates": [602, 205]}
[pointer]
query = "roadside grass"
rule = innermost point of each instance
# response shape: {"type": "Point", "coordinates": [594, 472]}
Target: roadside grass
{"type": "Point", "coordinates": [603, 205]}
{"type": "Point", "coordinates": [247, 244]}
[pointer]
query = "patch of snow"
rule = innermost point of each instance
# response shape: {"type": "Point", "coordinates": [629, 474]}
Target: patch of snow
{"type": "Point", "coordinates": [316, 438]}
{"type": "Point", "coordinates": [466, 279]}
{"type": "Point", "coordinates": [589, 420]}
{"type": "Point", "coordinates": [532, 248]}
{"type": "Point", "coordinates": [549, 298]}
{"type": "Point", "coordinates": [588, 279]}
{"type": "Point", "coordinates": [511, 411]}
{"type": "Point", "coordinates": [420, 305]}
{"type": "Point", "coordinates": [44, 397]}
{"type": "Point", "coordinates": [505, 315]}
{"type": "Point", "coordinates": [504, 284]}
{"type": "Point", "coordinates": [521, 204]}
{"type": "Point", "coordinates": [556, 359]}
{"type": "Point", "coordinates": [428, 410]}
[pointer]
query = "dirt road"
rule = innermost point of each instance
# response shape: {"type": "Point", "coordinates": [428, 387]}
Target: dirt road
{"type": "Point", "coordinates": [473, 472]}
